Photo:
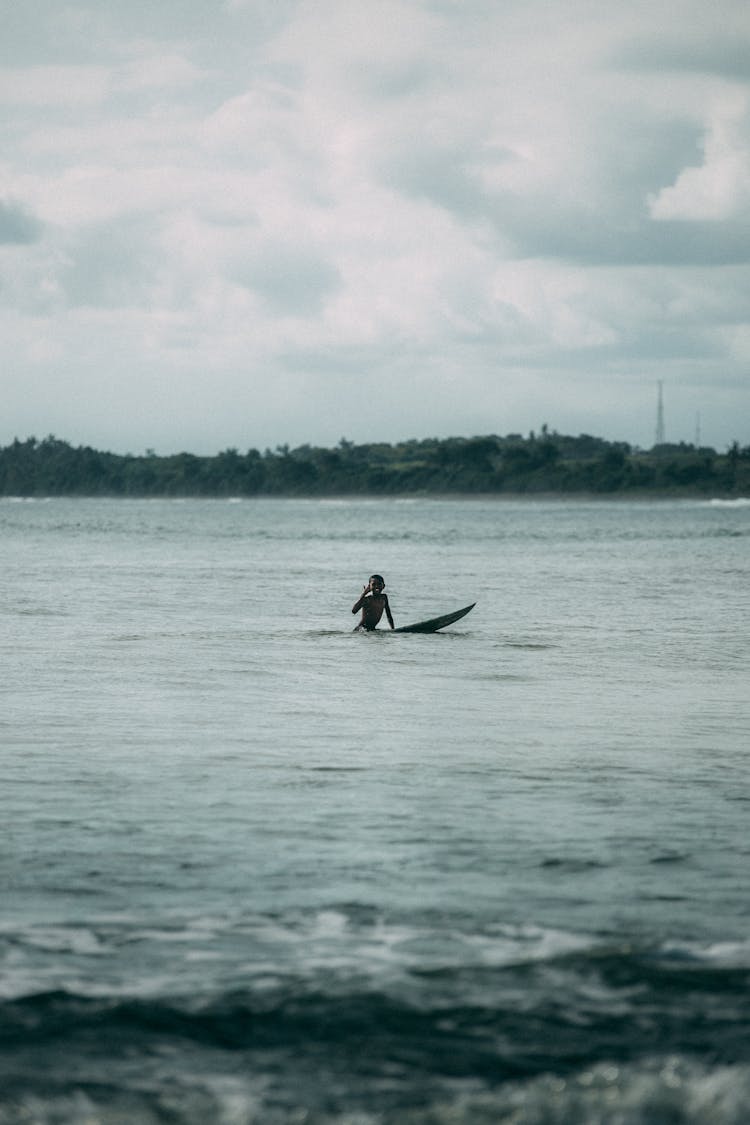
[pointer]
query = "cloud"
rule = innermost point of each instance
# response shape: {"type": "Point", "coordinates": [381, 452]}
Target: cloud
{"type": "Point", "coordinates": [718, 190]}
{"type": "Point", "coordinates": [17, 227]}
{"type": "Point", "coordinates": [110, 266]}
{"type": "Point", "coordinates": [720, 52]}
{"type": "Point", "coordinates": [54, 86]}
{"type": "Point", "coordinates": [537, 207]}
{"type": "Point", "coordinates": [293, 281]}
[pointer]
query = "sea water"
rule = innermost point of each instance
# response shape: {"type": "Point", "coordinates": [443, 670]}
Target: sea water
{"type": "Point", "coordinates": [257, 868]}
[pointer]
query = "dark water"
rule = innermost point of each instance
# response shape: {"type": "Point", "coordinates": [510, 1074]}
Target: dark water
{"type": "Point", "coordinates": [257, 868]}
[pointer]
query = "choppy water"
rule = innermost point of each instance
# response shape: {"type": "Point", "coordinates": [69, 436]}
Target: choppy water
{"type": "Point", "coordinates": [256, 868]}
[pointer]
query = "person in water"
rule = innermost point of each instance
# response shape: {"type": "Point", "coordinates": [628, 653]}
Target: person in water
{"type": "Point", "coordinates": [373, 603]}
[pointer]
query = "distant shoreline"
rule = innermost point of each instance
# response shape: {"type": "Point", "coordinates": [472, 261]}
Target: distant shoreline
{"type": "Point", "coordinates": [541, 467]}
{"type": "Point", "coordinates": [439, 497]}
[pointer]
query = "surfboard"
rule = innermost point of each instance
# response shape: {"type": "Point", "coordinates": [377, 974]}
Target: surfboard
{"type": "Point", "coordinates": [435, 623]}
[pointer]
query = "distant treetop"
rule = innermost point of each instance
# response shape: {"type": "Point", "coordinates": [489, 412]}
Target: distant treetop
{"type": "Point", "coordinates": [547, 463]}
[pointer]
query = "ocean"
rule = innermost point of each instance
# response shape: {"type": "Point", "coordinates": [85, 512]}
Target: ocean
{"type": "Point", "coordinates": [259, 869]}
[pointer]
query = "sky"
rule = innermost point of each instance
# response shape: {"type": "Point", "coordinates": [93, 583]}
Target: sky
{"type": "Point", "coordinates": [246, 223]}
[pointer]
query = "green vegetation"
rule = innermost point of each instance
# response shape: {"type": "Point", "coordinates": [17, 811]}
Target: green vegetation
{"type": "Point", "coordinates": [512, 465]}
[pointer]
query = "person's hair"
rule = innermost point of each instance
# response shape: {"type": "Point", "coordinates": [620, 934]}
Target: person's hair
{"type": "Point", "coordinates": [379, 578]}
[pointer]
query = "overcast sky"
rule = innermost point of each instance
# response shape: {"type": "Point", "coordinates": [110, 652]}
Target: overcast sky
{"type": "Point", "coordinates": [235, 223]}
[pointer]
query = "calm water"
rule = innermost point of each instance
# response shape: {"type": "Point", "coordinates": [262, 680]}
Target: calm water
{"type": "Point", "coordinates": [256, 868]}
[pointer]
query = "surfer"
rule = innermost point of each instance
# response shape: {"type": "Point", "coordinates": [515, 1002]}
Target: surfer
{"type": "Point", "coordinates": [373, 602]}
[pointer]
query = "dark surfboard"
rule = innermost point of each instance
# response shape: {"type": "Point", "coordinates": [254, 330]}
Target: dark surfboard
{"type": "Point", "coordinates": [435, 623]}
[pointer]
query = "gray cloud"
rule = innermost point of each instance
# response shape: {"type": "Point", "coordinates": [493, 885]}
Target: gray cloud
{"type": "Point", "coordinates": [17, 226]}
{"type": "Point", "coordinates": [716, 53]}
{"type": "Point", "coordinates": [293, 281]}
{"type": "Point", "coordinates": [110, 265]}
{"type": "Point", "coordinates": [442, 175]}
{"type": "Point", "coordinates": [586, 238]}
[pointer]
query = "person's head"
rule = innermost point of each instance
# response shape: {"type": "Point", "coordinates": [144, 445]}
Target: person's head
{"type": "Point", "coordinates": [377, 582]}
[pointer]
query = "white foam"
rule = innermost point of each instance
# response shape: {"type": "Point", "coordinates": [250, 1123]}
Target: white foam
{"type": "Point", "coordinates": [65, 939]}
{"type": "Point", "coordinates": [724, 954]}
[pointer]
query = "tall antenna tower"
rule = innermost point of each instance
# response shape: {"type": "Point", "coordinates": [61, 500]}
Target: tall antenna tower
{"type": "Point", "coordinates": [698, 430]}
{"type": "Point", "coordinates": [660, 416]}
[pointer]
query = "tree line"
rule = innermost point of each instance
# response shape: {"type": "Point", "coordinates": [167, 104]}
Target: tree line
{"type": "Point", "coordinates": [541, 463]}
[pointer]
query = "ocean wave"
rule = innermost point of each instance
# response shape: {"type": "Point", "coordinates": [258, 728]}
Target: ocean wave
{"type": "Point", "coordinates": [337, 1017]}
{"type": "Point", "coordinates": [189, 1091]}
{"type": "Point", "coordinates": [342, 944]}
{"type": "Point", "coordinates": [345, 947]}
{"type": "Point", "coordinates": [463, 1019]}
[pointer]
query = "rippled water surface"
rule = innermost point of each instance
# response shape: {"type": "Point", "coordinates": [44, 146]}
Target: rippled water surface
{"type": "Point", "coordinates": [259, 868]}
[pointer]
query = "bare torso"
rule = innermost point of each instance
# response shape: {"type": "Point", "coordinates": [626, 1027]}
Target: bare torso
{"type": "Point", "coordinates": [373, 606]}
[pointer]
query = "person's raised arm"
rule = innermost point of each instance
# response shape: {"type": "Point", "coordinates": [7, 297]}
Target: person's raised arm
{"type": "Point", "coordinates": [360, 601]}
